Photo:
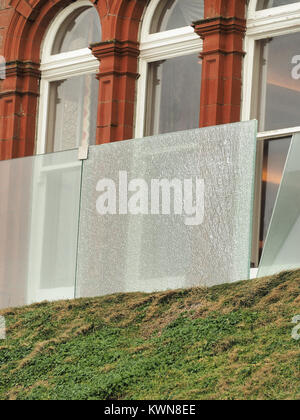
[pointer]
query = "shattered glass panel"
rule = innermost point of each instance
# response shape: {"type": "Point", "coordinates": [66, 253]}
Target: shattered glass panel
{"type": "Point", "coordinates": [138, 236]}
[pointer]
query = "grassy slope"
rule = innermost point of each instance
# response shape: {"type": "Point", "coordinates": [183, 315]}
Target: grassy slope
{"type": "Point", "coordinates": [227, 342]}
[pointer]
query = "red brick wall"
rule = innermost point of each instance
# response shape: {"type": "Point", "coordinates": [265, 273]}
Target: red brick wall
{"type": "Point", "coordinates": [22, 27]}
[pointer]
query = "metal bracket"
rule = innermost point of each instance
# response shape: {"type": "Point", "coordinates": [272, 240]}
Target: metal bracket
{"type": "Point", "coordinates": [83, 152]}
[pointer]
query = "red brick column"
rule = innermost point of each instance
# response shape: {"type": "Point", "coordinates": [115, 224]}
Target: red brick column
{"type": "Point", "coordinates": [18, 107]}
{"type": "Point", "coordinates": [222, 31]}
{"type": "Point", "coordinates": [117, 78]}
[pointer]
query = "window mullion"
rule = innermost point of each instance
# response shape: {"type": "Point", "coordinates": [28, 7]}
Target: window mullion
{"type": "Point", "coordinates": [43, 110]}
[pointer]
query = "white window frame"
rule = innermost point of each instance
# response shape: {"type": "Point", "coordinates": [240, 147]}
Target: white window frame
{"type": "Point", "coordinates": [60, 66]}
{"type": "Point", "coordinates": [156, 47]}
{"type": "Point", "coordinates": [265, 24]}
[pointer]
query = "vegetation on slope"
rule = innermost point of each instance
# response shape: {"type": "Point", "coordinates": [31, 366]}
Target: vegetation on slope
{"type": "Point", "coordinates": [226, 342]}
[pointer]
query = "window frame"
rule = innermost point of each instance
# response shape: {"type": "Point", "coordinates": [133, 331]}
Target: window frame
{"type": "Point", "coordinates": [55, 67]}
{"type": "Point", "coordinates": [263, 24]}
{"type": "Point", "coordinates": [281, 20]}
{"type": "Point", "coordinates": [156, 47]}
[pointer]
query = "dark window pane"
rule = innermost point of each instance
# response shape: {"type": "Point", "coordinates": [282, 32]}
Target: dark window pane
{"type": "Point", "coordinates": [72, 112]}
{"type": "Point", "coordinates": [275, 154]}
{"type": "Point", "coordinates": [175, 14]}
{"type": "Point", "coordinates": [267, 4]}
{"type": "Point", "coordinates": [174, 95]}
{"type": "Point", "coordinates": [280, 83]}
{"type": "Point", "coordinates": [79, 30]}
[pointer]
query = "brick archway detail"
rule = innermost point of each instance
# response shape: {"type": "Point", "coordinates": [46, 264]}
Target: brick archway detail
{"type": "Point", "coordinates": [27, 23]}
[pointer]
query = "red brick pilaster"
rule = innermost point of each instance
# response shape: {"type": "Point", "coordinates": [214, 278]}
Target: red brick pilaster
{"type": "Point", "coordinates": [18, 107]}
{"type": "Point", "coordinates": [117, 77]}
{"type": "Point", "coordinates": [223, 32]}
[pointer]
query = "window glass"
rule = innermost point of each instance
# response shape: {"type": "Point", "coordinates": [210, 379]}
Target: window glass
{"type": "Point", "coordinates": [267, 4]}
{"type": "Point", "coordinates": [81, 29]}
{"type": "Point", "coordinates": [174, 14]}
{"type": "Point", "coordinates": [72, 112]}
{"type": "Point", "coordinates": [280, 82]}
{"type": "Point", "coordinates": [173, 95]}
{"type": "Point", "coordinates": [275, 154]}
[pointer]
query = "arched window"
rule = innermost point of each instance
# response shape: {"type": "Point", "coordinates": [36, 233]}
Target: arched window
{"type": "Point", "coordinates": [176, 14]}
{"type": "Point", "coordinates": [69, 88]}
{"type": "Point", "coordinates": [272, 93]}
{"type": "Point", "coordinates": [170, 68]}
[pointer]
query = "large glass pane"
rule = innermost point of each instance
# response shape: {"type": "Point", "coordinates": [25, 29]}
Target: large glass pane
{"type": "Point", "coordinates": [80, 30]}
{"type": "Point", "coordinates": [39, 212]}
{"type": "Point", "coordinates": [267, 4]}
{"type": "Point", "coordinates": [135, 236]}
{"type": "Point", "coordinates": [280, 82]}
{"type": "Point", "coordinates": [173, 14]}
{"type": "Point", "coordinates": [72, 115]}
{"type": "Point", "coordinates": [282, 251]}
{"type": "Point", "coordinates": [275, 154]}
{"type": "Point", "coordinates": [174, 87]}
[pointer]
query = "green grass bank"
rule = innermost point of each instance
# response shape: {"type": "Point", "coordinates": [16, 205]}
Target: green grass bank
{"type": "Point", "coordinates": [226, 342]}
